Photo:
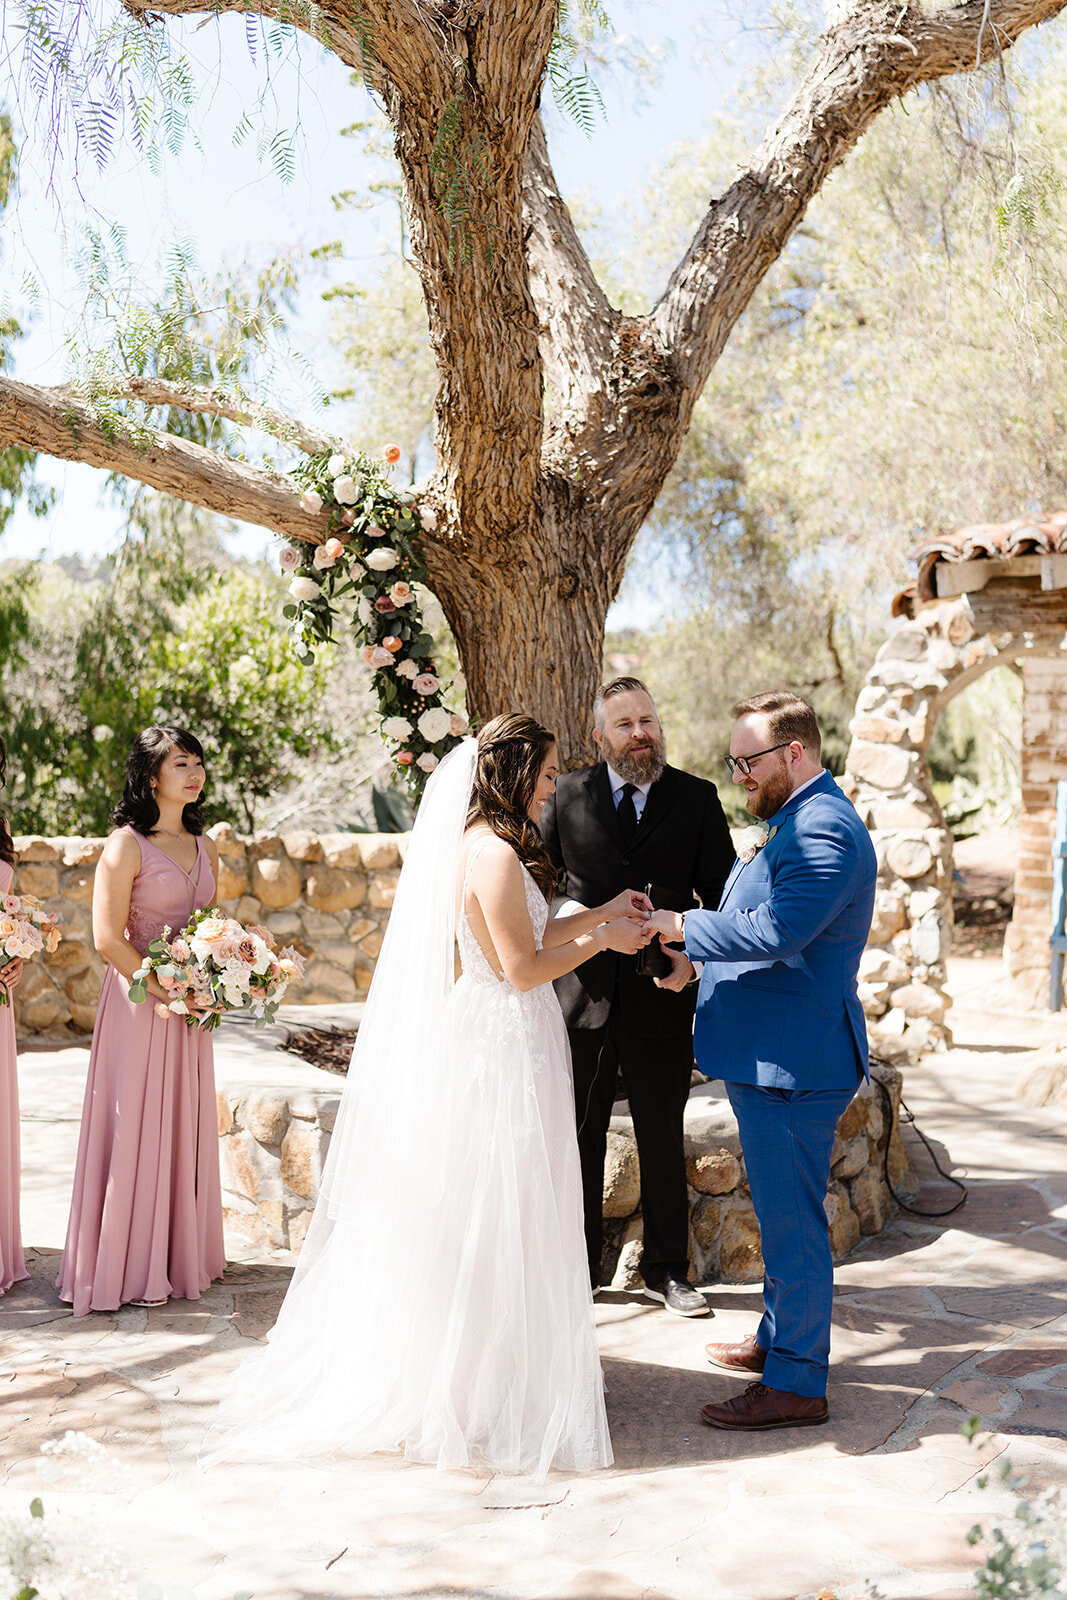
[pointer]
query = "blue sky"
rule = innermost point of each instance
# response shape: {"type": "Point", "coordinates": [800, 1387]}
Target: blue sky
{"type": "Point", "coordinates": [229, 205]}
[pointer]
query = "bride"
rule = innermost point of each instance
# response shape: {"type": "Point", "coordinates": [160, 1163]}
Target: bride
{"type": "Point", "coordinates": [441, 1305]}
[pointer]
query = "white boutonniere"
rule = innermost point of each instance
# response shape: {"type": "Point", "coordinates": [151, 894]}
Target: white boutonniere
{"type": "Point", "coordinates": [751, 840]}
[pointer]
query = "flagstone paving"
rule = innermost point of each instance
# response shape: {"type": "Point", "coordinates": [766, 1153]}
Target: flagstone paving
{"type": "Point", "coordinates": [934, 1320]}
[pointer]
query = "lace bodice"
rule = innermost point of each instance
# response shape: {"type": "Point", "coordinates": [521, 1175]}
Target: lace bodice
{"type": "Point", "coordinates": [475, 962]}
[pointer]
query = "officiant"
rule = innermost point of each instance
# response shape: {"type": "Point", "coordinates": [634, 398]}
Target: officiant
{"type": "Point", "coordinates": [632, 821]}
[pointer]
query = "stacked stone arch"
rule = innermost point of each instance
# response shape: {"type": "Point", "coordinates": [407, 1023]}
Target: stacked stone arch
{"type": "Point", "coordinates": [925, 662]}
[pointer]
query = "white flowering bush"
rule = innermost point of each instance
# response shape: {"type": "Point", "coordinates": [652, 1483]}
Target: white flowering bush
{"type": "Point", "coordinates": [59, 1557]}
{"type": "Point", "coordinates": [1026, 1557]}
{"type": "Point", "coordinates": [370, 560]}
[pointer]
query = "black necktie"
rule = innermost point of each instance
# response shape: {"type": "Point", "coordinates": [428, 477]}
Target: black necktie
{"type": "Point", "coordinates": [626, 812]}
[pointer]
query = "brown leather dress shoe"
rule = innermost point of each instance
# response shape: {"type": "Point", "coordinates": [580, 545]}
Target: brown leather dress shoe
{"type": "Point", "coordinates": [760, 1407]}
{"type": "Point", "coordinates": [745, 1356]}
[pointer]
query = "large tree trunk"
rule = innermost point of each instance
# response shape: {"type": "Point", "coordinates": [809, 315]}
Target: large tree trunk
{"type": "Point", "coordinates": [530, 624]}
{"type": "Point", "coordinates": [538, 506]}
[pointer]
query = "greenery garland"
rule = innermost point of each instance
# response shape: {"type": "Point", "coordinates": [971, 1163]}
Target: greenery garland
{"type": "Point", "coordinates": [370, 556]}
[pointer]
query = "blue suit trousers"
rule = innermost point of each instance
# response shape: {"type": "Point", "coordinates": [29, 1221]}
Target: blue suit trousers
{"type": "Point", "coordinates": [787, 1136]}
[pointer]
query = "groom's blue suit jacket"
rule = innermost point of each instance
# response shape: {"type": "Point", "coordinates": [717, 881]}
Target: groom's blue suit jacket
{"type": "Point", "coordinates": [777, 1004]}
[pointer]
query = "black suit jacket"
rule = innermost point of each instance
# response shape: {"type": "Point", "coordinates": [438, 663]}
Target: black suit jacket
{"type": "Point", "coordinates": [682, 844]}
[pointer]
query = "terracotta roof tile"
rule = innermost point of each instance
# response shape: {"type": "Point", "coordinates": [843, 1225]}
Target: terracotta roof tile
{"type": "Point", "coordinates": [991, 541]}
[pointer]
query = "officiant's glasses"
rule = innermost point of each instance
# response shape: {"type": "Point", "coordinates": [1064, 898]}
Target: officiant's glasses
{"type": "Point", "coordinates": [743, 764]}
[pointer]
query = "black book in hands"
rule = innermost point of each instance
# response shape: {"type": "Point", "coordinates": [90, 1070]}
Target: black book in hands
{"type": "Point", "coordinates": [652, 960]}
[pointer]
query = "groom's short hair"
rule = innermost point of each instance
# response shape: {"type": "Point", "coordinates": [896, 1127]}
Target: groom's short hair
{"type": "Point", "coordinates": [788, 716]}
{"type": "Point", "coordinates": [608, 691]}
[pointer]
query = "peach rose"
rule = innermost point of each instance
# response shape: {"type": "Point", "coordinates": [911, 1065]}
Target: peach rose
{"type": "Point", "coordinates": [427, 761]}
{"type": "Point", "coordinates": [404, 758]}
{"type": "Point", "coordinates": [376, 657]}
{"type": "Point", "coordinates": [459, 725]}
{"type": "Point", "coordinates": [391, 453]}
{"type": "Point", "coordinates": [391, 642]}
{"type": "Point", "coordinates": [401, 594]}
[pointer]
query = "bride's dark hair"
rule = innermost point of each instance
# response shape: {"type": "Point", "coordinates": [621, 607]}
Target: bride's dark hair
{"type": "Point", "coordinates": [147, 754]}
{"type": "Point", "coordinates": [511, 753]}
{"type": "Point", "coordinates": [7, 849]}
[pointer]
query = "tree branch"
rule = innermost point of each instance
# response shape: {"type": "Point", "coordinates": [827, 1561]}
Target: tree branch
{"type": "Point", "coordinates": [58, 423]}
{"type": "Point", "coordinates": [873, 57]}
{"type": "Point", "coordinates": [212, 402]}
{"type": "Point", "coordinates": [577, 322]}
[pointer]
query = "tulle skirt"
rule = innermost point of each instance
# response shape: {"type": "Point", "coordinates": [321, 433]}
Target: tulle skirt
{"type": "Point", "coordinates": [444, 1308]}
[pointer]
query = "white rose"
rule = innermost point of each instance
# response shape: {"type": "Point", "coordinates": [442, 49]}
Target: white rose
{"type": "Point", "coordinates": [382, 558]}
{"type": "Point", "coordinates": [407, 669]}
{"type": "Point", "coordinates": [304, 589]}
{"type": "Point", "coordinates": [310, 501]}
{"type": "Point", "coordinates": [345, 490]}
{"type": "Point", "coordinates": [322, 558]}
{"type": "Point", "coordinates": [336, 466]}
{"type": "Point", "coordinates": [435, 724]}
{"type": "Point", "coordinates": [397, 728]}
{"type": "Point", "coordinates": [428, 519]}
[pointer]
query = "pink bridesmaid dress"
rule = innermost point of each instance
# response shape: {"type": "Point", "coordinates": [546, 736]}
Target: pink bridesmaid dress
{"type": "Point", "coordinates": [146, 1214]}
{"type": "Point", "coordinates": [12, 1265]}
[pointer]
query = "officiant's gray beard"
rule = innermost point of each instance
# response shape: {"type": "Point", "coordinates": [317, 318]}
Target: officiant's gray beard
{"type": "Point", "coordinates": [636, 766]}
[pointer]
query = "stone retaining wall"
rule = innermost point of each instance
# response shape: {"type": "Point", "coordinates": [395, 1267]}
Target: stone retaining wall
{"type": "Point", "coordinates": [273, 1143]}
{"type": "Point", "coordinates": [724, 1240]}
{"type": "Point", "coordinates": [327, 894]}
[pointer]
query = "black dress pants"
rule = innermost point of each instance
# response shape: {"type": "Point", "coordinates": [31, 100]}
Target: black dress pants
{"type": "Point", "coordinates": [656, 1074]}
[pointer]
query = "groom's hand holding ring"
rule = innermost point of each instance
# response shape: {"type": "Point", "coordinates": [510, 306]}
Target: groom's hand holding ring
{"type": "Point", "coordinates": [670, 927]}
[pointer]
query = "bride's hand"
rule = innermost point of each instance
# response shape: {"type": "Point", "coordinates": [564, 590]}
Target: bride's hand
{"type": "Point", "coordinates": [625, 935]}
{"type": "Point", "coordinates": [630, 903]}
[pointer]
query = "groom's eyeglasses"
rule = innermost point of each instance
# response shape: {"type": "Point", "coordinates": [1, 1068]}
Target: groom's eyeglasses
{"type": "Point", "coordinates": [743, 764]}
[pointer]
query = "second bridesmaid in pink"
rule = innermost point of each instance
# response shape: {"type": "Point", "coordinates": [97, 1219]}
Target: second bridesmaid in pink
{"type": "Point", "coordinates": [12, 1265]}
{"type": "Point", "coordinates": [146, 1214]}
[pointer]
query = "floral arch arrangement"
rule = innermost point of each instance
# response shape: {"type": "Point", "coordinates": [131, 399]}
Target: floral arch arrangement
{"type": "Point", "coordinates": [369, 557]}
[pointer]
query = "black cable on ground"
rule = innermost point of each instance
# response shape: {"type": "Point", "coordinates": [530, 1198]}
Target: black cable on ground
{"type": "Point", "coordinates": [916, 1211]}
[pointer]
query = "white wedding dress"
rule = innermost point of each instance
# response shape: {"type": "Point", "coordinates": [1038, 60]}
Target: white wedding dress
{"type": "Point", "coordinates": [442, 1305]}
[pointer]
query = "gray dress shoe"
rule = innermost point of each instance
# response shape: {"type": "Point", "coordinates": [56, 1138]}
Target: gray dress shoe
{"type": "Point", "coordinates": [678, 1296]}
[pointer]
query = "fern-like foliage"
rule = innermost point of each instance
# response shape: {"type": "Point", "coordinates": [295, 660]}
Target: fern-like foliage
{"type": "Point", "coordinates": [462, 175]}
{"type": "Point", "coordinates": [574, 89]}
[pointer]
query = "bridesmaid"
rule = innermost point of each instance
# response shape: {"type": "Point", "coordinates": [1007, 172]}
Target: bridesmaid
{"type": "Point", "coordinates": [146, 1215]}
{"type": "Point", "coordinates": [12, 1265]}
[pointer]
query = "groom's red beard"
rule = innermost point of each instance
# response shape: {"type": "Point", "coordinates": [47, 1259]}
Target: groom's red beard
{"type": "Point", "coordinates": [771, 795]}
{"type": "Point", "coordinates": [640, 764]}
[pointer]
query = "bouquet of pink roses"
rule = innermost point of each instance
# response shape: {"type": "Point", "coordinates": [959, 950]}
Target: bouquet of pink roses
{"type": "Point", "coordinates": [217, 964]}
{"type": "Point", "coordinates": [25, 930]}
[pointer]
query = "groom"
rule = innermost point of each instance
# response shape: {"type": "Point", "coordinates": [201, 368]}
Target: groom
{"type": "Point", "coordinates": [778, 1018]}
{"type": "Point", "coordinates": [629, 821]}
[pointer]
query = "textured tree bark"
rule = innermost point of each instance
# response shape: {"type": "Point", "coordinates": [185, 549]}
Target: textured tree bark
{"type": "Point", "coordinates": [538, 505]}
